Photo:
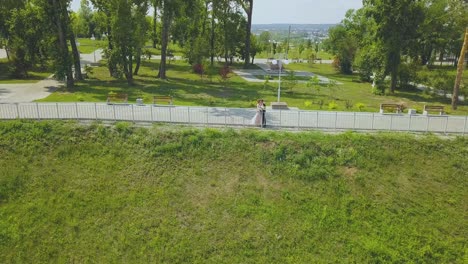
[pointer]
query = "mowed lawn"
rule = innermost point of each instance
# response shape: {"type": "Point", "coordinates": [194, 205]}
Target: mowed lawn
{"type": "Point", "coordinates": [120, 194]}
{"type": "Point", "coordinates": [189, 88]}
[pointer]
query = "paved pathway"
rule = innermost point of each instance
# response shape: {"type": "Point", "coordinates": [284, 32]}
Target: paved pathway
{"type": "Point", "coordinates": [3, 54]}
{"type": "Point", "coordinates": [28, 92]}
{"type": "Point", "coordinates": [438, 92]}
{"type": "Point", "coordinates": [250, 75]}
{"type": "Point", "coordinates": [220, 116]}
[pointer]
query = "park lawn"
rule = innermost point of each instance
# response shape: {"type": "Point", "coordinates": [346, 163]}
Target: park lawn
{"type": "Point", "coordinates": [358, 92]}
{"type": "Point", "coordinates": [71, 193]}
{"type": "Point", "coordinates": [88, 46]}
{"type": "Point", "coordinates": [34, 75]}
{"type": "Point", "coordinates": [188, 88]}
{"type": "Point", "coordinates": [174, 48]}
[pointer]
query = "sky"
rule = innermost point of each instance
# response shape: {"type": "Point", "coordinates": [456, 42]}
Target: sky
{"type": "Point", "coordinates": [295, 11]}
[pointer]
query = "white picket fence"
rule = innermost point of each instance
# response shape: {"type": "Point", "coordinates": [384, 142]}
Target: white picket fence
{"type": "Point", "coordinates": [236, 117]}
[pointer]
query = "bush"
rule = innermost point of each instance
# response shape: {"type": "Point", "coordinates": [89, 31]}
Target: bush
{"type": "Point", "coordinates": [360, 106]}
{"type": "Point", "coordinates": [332, 105]}
{"type": "Point", "coordinates": [198, 68]}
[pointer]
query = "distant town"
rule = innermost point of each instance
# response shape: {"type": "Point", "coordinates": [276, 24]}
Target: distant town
{"type": "Point", "coordinates": [298, 31]}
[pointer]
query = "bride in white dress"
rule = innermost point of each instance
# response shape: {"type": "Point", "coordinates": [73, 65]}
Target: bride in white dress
{"type": "Point", "coordinates": [257, 119]}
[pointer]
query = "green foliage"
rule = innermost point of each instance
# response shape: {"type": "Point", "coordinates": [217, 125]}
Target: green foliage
{"type": "Point", "coordinates": [165, 194]}
{"type": "Point", "coordinates": [290, 80]}
{"type": "Point", "coordinates": [360, 106]}
{"type": "Point", "coordinates": [332, 105]}
{"type": "Point", "coordinates": [343, 45]}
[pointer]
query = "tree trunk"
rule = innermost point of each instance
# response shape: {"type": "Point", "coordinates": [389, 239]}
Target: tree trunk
{"type": "Point", "coordinates": [7, 50]}
{"type": "Point", "coordinates": [76, 58]}
{"type": "Point", "coordinates": [63, 43]}
{"type": "Point", "coordinates": [127, 67]}
{"type": "Point", "coordinates": [155, 20]}
{"type": "Point", "coordinates": [248, 32]}
{"type": "Point", "coordinates": [394, 61]}
{"type": "Point", "coordinates": [461, 61]}
{"type": "Point", "coordinates": [212, 40]}
{"type": "Point", "coordinates": [164, 42]}
{"type": "Point", "coordinates": [110, 64]}
{"type": "Point", "coordinates": [138, 62]}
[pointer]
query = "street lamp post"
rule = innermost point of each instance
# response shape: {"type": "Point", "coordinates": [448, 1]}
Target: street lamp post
{"type": "Point", "coordinates": [280, 63]}
{"type": "Point", "coordinates": [94, 44]}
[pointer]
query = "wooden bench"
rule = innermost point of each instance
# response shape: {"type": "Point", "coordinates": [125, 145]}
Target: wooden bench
{"type": "Point", "coordinates": [158, 99]}
{"type": "Point", "coordinates": [433, 108]}
{"type": "Point", "coordinates": [123, 98]}
{"type": "Point", "coordinates": [397, 107]}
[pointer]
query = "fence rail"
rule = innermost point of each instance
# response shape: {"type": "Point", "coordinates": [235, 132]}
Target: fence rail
{"type": "Point", "coordinates": [236, 117]}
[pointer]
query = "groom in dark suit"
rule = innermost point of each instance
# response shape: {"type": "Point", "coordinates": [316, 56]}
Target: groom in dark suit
{"type": "Point", "coordinates": [263, 113]}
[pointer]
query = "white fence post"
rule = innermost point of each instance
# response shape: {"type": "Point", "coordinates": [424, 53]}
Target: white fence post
{"type": "Point", "coordinates": [207, 116]}
{"type": "Point", "coordinates": [446, 125]}
{"type": "Point", "coordinates": [464, 126]}
{"type": "Point", "coordinates": [188, 114]}
{"type": "Point", "coordinates": [113, 107]}
{"type": "Point", "coordinates": [373, 117]}
{"type": "Point", "coordinates": [170, 114]}
{"type": "Point", "coordinates": [409, 123]}
{"type": "Point", "coordinates": [57, 108]}
{"type": "Point", "coordinates": [151, 109]}
{"type": "Point", "coordinates": [354, 121]}
{"type": "Point", "coordinates": [280, 118]}
{"type": "Point", "coordinates": [95, 111]}
{"type": "Point", "coordinates": [298, 119]}
{"type": "Point", "coordinates": [243, 122]}
{"type": "Point", "coordinates": [225, 116]}
{"type": "Point", "coordinates": [37, 109]}
{"type": "Point", "coordinates": [336, 119]}
{"type": "Point", "coordinates": [391, 122]}
{"type": "Point", "coordinates": [17, 111]}
{"type": "Point", "coordinates": [317, 124]}
{"type": "Point", "coordinates": [427, 124]}
{"type": "Point", "coordinates": [76, 110]}
{"type": "Point", "coordinates": [133, 114]}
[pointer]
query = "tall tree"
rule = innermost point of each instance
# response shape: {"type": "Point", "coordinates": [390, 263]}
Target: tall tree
{"type": "Point", "coordinates": [343, 45]}
{"type": "Point", "coordinates": [105, 7]}
{"type": "Point", "coordinates": [247, 5]}
{"type": "Point", "coordinates": [169, 9]}
{"type": "Point", "coordinates": [461, 64]}
{"type": "Point", "coordinates": [397, 22]}
{"type": "Point", "coordinates": [61, 20]}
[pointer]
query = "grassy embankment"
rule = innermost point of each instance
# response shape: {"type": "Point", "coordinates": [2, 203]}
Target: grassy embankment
{"type": "Point", "coordinates": [73, 193]}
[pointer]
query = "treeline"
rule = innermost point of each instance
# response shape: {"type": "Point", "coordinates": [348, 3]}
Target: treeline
{"type": "Point", "coordinates": [40, 32]}
{"type": "Point", "coordinates": [392, 38]}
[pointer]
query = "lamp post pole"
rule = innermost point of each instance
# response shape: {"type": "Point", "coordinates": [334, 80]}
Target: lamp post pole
{"type": "Point", "coordinates": [280, 63]}
{"type": "Point", "coordinates": [279, 80]}
{"type": "Point", "coordinates": [94, 45]}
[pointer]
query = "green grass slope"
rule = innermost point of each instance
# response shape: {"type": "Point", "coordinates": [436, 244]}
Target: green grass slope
{"type": "Point", "coordinates": [71, 193]}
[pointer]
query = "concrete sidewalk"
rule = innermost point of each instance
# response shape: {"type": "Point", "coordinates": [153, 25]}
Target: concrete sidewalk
{"type": "Point", "coordinates": [29, 92]}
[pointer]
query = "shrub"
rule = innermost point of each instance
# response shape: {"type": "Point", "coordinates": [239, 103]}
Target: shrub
{"type": "Point", "coordinates": [332, 105]}
{"type": "Point", "coordinates": [198, 69]}
{"type": "Point", "coordinates": [360, 106]}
